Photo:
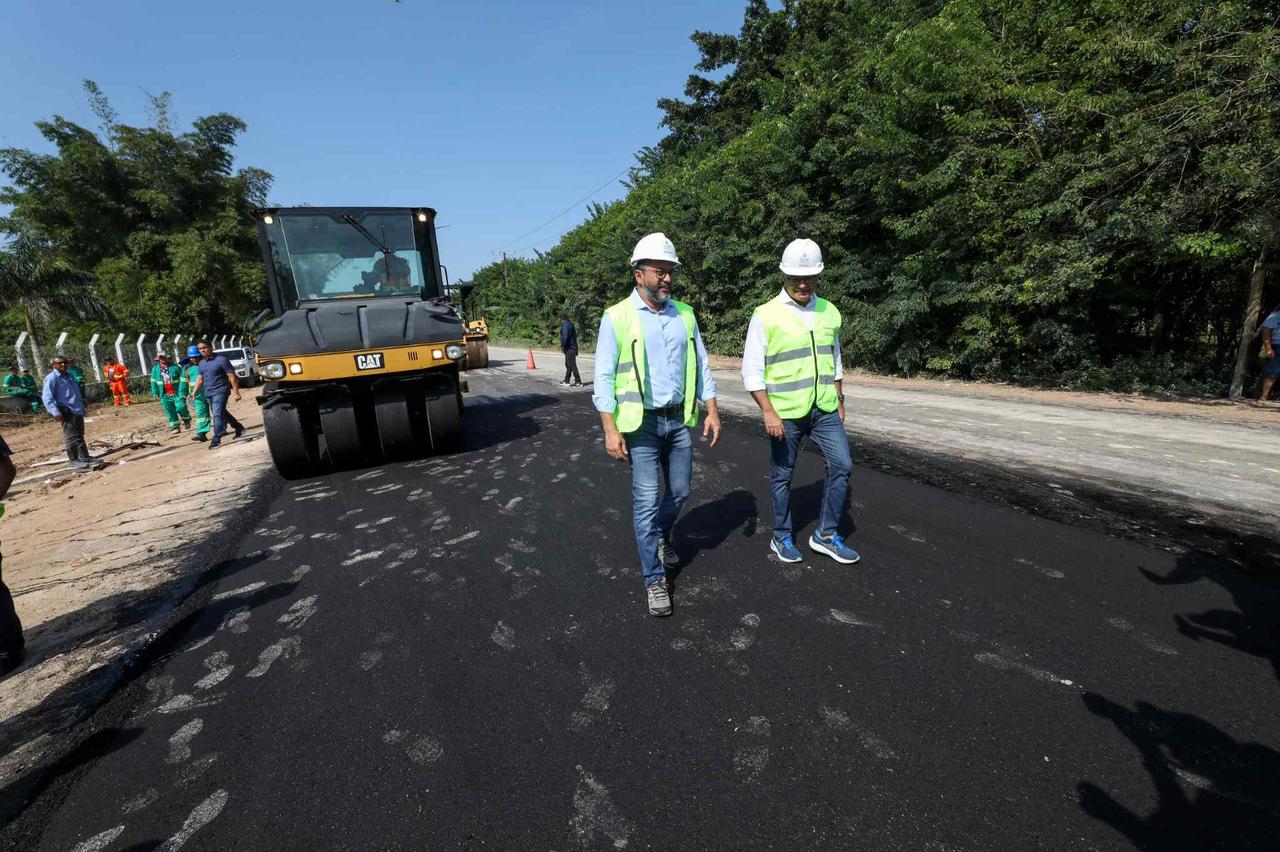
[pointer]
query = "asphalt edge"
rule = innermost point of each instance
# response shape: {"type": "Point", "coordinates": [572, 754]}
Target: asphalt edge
{"type": "Point", "coordinates": [115, 690]}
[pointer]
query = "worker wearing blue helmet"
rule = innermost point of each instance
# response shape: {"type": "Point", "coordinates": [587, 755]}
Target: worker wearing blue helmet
{"type": "Point", "coordinates": [190, 373]}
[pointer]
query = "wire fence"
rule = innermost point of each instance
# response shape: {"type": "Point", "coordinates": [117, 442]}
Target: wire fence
{"type": "Point", "coordinates": [136, 351]}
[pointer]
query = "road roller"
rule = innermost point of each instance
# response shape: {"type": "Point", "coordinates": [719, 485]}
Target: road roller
{"type": "Point", "coordinates": [361, 359]}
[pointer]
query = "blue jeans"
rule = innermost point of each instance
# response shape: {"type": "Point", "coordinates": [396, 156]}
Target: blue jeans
{"type": "Point", "coordinates": [221, 417]}
{"type": "Point", "coordinates": [660, 444]}
{"type": "Point", "coordinates": [825, 430]}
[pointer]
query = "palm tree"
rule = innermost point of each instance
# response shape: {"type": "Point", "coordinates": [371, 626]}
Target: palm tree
{"type": "Point", "coordinates": [39, 283]}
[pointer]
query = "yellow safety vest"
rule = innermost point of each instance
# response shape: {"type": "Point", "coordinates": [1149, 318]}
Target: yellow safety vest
{"type": "Point", "coordinates": [630, 366]}
{"type": "Point", "coordinates": [799, 364]}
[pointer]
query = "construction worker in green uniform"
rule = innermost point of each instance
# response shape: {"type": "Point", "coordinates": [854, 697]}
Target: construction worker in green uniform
{"type": "Point", "coordinates": [166, 386]}
{"type": "Point", "coordinates": [17, 385]}
{"type": "Point", "coordinates": [75, 371]}
{"type": "Point", "coordinates": [190, 373]}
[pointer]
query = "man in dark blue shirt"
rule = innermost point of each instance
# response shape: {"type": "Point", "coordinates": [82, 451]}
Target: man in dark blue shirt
{"type": "Point", "coordinates": [569, 346]}
{"type": "Point", "coordinates": [217, 377]}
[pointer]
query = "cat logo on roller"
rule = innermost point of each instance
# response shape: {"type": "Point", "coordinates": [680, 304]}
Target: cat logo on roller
{"type": "Point", "coordinates": [370, 361]}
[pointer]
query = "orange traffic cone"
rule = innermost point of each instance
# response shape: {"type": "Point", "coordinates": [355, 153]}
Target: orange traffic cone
{"type": "Point", "coordinates": [528, 361]}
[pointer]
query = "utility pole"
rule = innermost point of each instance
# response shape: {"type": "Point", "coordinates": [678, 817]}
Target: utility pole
{"type": "Point", "coordinates": [504, 271]}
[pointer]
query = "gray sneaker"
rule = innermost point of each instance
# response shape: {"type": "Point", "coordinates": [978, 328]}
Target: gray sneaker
{"type": "Point", "coordinates": [666, 554]}
{"type": "Point", "coordinates": [659, 598]}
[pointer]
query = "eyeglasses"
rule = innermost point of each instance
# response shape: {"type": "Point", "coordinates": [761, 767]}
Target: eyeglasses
{"type": "Point", "coordinates": [661, 273]}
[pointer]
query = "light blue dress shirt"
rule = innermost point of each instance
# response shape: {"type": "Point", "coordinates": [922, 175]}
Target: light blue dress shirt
{"type": "Point", "coordinates": [664, 353]}
{"type": "Point", "coordinates": [60, 390]}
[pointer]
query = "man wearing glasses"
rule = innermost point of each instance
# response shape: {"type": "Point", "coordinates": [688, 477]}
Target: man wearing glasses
{"type": "Point", "coordinates": [650, 372]}
{"type": "Point", "coordinates": [61, 398]}
{"type": "Point", "coordinates": [791, 367]}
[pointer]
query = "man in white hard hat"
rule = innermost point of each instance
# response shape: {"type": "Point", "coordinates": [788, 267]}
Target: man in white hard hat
{"type": "Point", "coordinates": [651, 371]}
{"type": "Point", "coordinates": [791, 367]}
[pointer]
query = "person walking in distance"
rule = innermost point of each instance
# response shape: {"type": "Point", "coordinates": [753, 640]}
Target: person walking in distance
{"type": "Point", "coordinates": [166, 384]}
{"type": "Point", "coordinates": [791, 367]}
{"type": "Point", "coordinates": [61, 398]}
{"type": "Point", "coordinates": [569, 346]}
{"type": "Point", "coordinates": [216, 379]}
{"type": "Point", "coordinates": [12, 646]}
{"type": "Point", "coordinates": [650, 372]}
{"type": "Point", "coordinates": [186, 389]}
{"type": "Point", "coordinates": [1270, 331]}
{"type": "Point", "coordinates": [116, 376]}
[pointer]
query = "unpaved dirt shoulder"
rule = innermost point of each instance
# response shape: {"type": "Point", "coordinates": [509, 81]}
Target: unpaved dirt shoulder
{"type": "Point", "coordinates": [98, 561]}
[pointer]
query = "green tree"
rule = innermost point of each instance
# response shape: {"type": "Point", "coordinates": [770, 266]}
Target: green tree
{"type": "Point", "coordinates": [38, 284]}
{"type": "Point", "coordinates": [1062, 193]}
{"type": "Point", "coordinates": [162, 218]}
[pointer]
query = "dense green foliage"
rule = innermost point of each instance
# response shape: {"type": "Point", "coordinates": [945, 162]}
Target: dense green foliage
{"type": "Point", "coordinates": [1069, 192]}
{"type": "Point", "coordinates": [159, 218]}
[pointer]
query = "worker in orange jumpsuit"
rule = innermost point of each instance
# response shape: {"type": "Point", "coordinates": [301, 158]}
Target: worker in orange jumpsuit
{"type": "Point", "coordinates": [115, 374]}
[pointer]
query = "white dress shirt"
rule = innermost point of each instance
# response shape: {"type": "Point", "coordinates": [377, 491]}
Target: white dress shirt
{"type": "Point", "coordinates": [757, 341]}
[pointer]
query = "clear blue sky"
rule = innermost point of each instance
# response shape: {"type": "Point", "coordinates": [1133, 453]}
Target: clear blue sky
{"type": "Point", "coordinates": [498, 114]}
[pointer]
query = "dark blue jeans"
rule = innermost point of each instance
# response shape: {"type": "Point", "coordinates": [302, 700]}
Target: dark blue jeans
{"type": "Point", "coordinates": [825, 430]}
{"type": "Point", "coordinates": [661, 445]}
{"type": "Point", "coordinates": [221, 417]}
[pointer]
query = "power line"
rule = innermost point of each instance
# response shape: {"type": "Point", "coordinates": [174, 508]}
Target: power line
{"type": "Point", "coordinates": [569, 208]}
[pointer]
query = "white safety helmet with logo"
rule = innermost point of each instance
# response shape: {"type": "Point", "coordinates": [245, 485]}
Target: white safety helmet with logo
{"type": "Point", "coordinates": [801, 259]}
{"type": "Point", "coordinates": [654, 247]}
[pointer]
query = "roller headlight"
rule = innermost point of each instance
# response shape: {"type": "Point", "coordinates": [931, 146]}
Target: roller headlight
{"type": "Point", "coordinates": [273, 370]}
{"type": "Point", "coordinates": [454, 351]}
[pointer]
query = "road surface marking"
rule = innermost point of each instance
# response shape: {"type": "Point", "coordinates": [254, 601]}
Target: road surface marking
{"type": "Point", "coordinates": [839, 616]}
{"type": "Point", "coordinates": [1048, 572]}
{"type": "Point", "coordinates": [362, 557]}
{"type": "Point", "coordinates": [595, 814]}
{"type": "Point", "coordinates": [218, 668]}
{"type": "Point", "coordinates": [1003, 664]}
{"type": "Point", "coordinates": [99, 841]}
{"type": "Point", "coordinates": [180, 742]}
{"type": "Point", "coordinates": [839, 720]}
{"type": "Point", "coordinates": [285, 647]}
{"type": "Point", "coordinates": [140, 801]}
{"type": "Point", "coordinates": [503, 636]}
{"type": "Point", "coordinates": [204, 813]}
{"type": "Point", "coordinates": [299, 613]}
{"type": "Point", "coordinates": [243, 590]}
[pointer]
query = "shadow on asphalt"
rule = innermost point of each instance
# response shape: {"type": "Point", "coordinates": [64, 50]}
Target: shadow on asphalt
{"type": "Point", "coordinates": [1252, 628]}
{"type": "Point", "coordinates": [489, 420]}
{"type": "Point", "coordinates": [119, 685]}
{"type": "Point", "coordinates": [706, 527]}
{"type": "Point", "coordinates": [1234, 786]}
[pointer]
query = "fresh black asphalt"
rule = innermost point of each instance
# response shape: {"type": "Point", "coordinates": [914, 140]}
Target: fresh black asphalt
{"type": "Point", "coordinates": [453, 653]}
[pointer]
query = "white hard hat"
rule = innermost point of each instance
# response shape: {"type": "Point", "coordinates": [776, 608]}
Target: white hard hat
{"type": "Point", "coordinates": [801, 258]}
{"type": "Point", "coordinates": [654, 247]}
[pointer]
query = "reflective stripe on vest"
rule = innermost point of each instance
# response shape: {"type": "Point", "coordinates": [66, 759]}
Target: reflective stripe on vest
{"type": "Point", "coordinates": [631, 367]}
{"type": "Point", "coordinates": [799, 364]}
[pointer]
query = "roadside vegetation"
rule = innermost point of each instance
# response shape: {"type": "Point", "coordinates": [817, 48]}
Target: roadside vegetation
{"type": "Point", "coordinates": [1068, 194]}
{"type": "Point", "coordinates": [145, 227]}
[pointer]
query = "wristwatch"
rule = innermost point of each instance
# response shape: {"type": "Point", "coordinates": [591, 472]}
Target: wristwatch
{"type": "Point", "coordinates": [840, 396]}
